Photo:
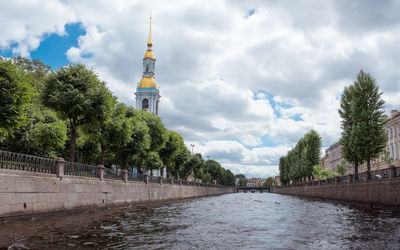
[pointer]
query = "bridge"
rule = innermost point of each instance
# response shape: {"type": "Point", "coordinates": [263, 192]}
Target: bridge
{"type": "Point", "coordinates": [253, 189]}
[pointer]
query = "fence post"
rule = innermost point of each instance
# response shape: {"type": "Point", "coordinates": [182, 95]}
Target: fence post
{"type": "Point", "coordinates": [160, 180]}
{"type": "Point", "coordinates": [180, 182]}
{"type": "Point", "coordinates": [172, 181]}
{"type": "Point", "coordinates": [337, 179]}
{"type": "Point", "coordinates": [100, 172]}
{"type": "Point", "coordinates": [146, 178]}
{"type": "Point", "coordinates": [125, 175]}
{"type": "Point", "coordinates": [60, 167]}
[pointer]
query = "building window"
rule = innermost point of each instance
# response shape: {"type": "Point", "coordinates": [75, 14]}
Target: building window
{"type": "Point", "coordinates": [145, 104]}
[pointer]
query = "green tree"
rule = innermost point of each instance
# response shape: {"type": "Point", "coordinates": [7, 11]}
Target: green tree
{"type": "Point", "coordinates": [157, 132]}
{"type": "Point", "coordinates": [228, 178]}
{"type": "Point", "coordinates": [16, 95]}
{"type": "Point", "coordinates": [341, 168]}
{"type": "Point", "coordinates": [322, 173]}
{"type": "Point", "coordinates": [49, 133]}
{"type": "Point", "coordinates": [171, 148]}
{"type": "Point", "coordinates": [348, 123]}
{"type": "Point", "coordinates": [153, 161]}
{"type": "Point", "coordinates": [369, 116]}
{"type": "Point", "coordinates": [242, 182]}
{"type": "Point", "coordinates": [35, 68]}
{"type": "Point", "coordinates": [363, 137]}
{"type": "Point", "coordinates": [269, 182]}
{"type": "Point", "coordinates": [77, 95]}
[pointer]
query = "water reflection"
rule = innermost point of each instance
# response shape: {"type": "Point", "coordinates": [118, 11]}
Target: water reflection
{"type": "Point", "coordinates": [261, 221]}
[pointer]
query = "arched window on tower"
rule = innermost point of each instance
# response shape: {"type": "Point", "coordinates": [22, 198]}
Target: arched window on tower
{"type": "Point", "coordinates": [147, 68]}
{"type": "Point", "coordinates": [145, 104]}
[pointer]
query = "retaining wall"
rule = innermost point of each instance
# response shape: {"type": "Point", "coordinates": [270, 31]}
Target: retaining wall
{"type": "Point", "coordinates": [25, 193]}
{"type": "Point", "coordinates": [378, 192]}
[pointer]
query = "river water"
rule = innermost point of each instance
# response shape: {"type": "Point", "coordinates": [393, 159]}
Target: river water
{"type": "Point", "coordinates": [233, 221]}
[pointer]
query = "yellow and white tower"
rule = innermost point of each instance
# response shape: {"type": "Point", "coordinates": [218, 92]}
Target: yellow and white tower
{"type": "Point", "coordinates": [147, 92]}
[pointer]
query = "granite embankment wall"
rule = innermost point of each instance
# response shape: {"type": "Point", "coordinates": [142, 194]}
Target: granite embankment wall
{"type": "Point", "coordinates": [383, 192]}
{"type": "Point", "coordinates": [26, 193]}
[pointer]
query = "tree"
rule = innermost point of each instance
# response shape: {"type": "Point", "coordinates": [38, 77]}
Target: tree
{"type": "Point", "coordinates": [157, 132]}
{"type": "Point", "coordinates": [322, 173]}
{"type": "Point", "coordinates": [16, 95]}
{"type": "Point", "coordinates": [49, 133]}
{"type": "Point", "coordinates": [171, 148]}
{"type": "Point", "coordinates": [369, 116]}
{"type": "Point", "coordinates": [138, 142]}
{"type": "Point", "coordinates": [341, 167]}
{"type": "Point", "coordinates": [35, 68]}
{"type": "Point", "coordinates": [242, 182]}
{"type": "Point", "coordinates": [76, 94]}
{"type": "Point", "coordinates": [298, 164]}
{"type": "Point", "coordinates": [269, 182]}
{"type": "Point", "coordinates": [228, 178]}
{"type": "Point", "coordinates": [348, 123]}
{"type": "Point", "coordinates": [363, 137]}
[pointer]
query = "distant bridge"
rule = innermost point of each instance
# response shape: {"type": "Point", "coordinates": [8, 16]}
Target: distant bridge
{"type": "Point", "coordinates": [253, 189]}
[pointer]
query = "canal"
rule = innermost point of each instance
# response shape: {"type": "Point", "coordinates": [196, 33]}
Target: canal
{"type": "Point", "coordinates": [233, 221]}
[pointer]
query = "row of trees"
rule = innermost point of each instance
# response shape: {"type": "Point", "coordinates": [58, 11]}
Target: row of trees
{"type": "Point", "coordinates": [363, 137]}
{"type": "Point", "coordinates": [71, 113]}
{"type": "Point", "coordinates": [361, 110]}
{"type": "Point", "coordinates": [299, 162]}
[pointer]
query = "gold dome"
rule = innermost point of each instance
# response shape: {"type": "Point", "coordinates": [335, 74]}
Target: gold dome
{"type": "Point", "coordinates": [149, 54]}
{"type": "Point", "coordinates": [148, 82]}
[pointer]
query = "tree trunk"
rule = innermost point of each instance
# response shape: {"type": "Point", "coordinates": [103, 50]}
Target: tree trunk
{"type": "Point", "coordinates": [73, 142]}
{"type": "Point", "coordinates": [103, 149]}
{"type": "Point", "coordinates": [141, 162]}
{"type": "Point", "coordinates": [356, 170]}
{"type": "Point", "coordinates": [369, 165]}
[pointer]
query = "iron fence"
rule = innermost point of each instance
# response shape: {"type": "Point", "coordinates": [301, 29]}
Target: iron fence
{"type": "Point", "coordinates": [79, 169]}
{"type": "Point", "coordinates": [16, 161]}
{"type": "Point", "coordinates": [110, 173]}
{"type": "Point", "coordinates": [379, 174]}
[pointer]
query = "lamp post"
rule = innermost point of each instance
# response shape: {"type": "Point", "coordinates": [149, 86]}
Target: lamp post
{"type": "Point", "coordinates": [208, 163]}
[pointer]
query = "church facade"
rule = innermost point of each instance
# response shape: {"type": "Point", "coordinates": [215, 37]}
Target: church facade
{"type": "Point", "coordinates": [147, 91]}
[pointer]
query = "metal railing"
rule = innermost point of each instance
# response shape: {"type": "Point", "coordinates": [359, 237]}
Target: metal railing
{"type": "Point", "coordinates": [16, 161]}
{"type": "Point", "coordinates": [381, 174]}
{"type": "Point", "coordinates": [79, 169]}
{"type": "Point", "coordinates": [110, 173]}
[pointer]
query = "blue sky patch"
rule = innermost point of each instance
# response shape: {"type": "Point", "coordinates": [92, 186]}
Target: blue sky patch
{"type": "Point", "coordinates": [52, 50]}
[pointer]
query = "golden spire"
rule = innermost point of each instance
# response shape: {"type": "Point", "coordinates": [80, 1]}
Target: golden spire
{"type": "Point", "coordinates": [149, 42]}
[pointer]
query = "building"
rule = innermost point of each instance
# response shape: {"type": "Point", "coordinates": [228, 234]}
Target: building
{"type": "Point", "coordinates": [255, 182]}
{"type": "Point", "coordinates": [277, 180]}
{"type": "Point", "coordinates": [147, 91]}
{"type": "Point", "coordinates": [392, 128]}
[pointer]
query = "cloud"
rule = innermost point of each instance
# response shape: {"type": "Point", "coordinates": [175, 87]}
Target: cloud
{"type": "Point", "coordinates": [26, 23]}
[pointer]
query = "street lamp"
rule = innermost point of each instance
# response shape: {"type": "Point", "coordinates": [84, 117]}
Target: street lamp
{"type": "Point", "coordinates": [208, 163]}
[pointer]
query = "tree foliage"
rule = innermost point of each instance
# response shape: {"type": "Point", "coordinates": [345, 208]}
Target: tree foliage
{"type": "Point", "coordinates": [77, 95]}
{"type": "Point", "coordinates": [361, 110]}
{"type": "Point", "coordinates": [76, 114]}
{"type": "Point", "coordinates": [298, 164]}
{"type": "Point", "coordinates": [16, 95]}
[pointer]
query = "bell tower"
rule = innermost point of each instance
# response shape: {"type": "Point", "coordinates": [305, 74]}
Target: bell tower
{"type": "Point", "coordinates": [147, 92]}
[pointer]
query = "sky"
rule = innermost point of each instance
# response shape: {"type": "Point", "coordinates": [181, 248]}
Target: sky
{"type": "Point", "coordinates": [241, 80]}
